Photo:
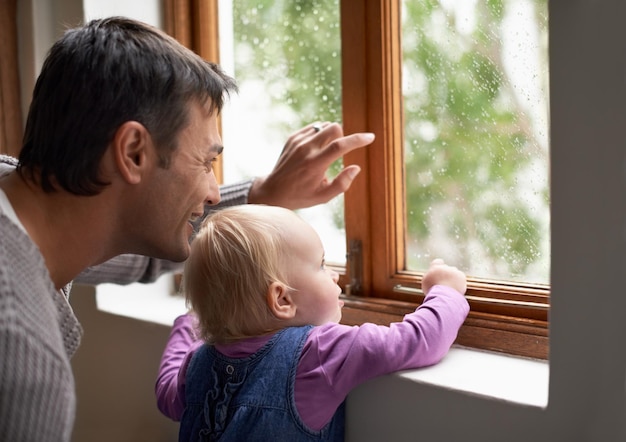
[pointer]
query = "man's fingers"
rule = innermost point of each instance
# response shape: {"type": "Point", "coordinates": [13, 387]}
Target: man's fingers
{"type": "Point", "coordinates": [340, 183]}
{"type": "Point", "coordinates": [322, 131]}
{"type": "Point", "coordinates": [341, 146]}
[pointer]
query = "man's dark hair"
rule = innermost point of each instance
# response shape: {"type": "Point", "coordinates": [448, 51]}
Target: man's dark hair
{"type": "Point", "coordinates": [99, 76]}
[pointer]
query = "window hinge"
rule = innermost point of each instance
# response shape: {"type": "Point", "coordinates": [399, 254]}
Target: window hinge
{"type": "Point", "coordinates": [354, 257]}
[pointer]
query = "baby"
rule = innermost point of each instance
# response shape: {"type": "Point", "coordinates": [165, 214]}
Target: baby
{"type": "Point", "coordinates": [263, 356]}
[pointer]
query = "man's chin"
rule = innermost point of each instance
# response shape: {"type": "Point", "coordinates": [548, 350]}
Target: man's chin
{"type": "Point", "coordinates": [179, 255]}
{"type": "Point", "coordinates": [183, 255]}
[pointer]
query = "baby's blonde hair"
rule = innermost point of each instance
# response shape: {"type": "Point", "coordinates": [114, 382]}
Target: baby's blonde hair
{"type": "Point", "coordinates": [234, 258]}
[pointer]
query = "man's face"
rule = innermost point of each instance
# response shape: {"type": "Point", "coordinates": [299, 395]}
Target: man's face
{"type": "Point", "coordinates": [176, 195]}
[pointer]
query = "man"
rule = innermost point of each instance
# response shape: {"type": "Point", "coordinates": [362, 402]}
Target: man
{"type": "Point", "coordinates": [116, 166]}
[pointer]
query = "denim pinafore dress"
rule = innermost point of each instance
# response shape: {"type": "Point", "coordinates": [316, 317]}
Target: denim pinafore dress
{"type": "Point", "coordinates": [250, 399]}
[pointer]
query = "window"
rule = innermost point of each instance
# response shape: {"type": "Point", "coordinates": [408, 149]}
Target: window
{"type": "Point", "coordinates": [475, 82]}
{"type": "Point", "coordinates": [379, 93]}
{"type": "Point", "coordinates": [286, 57]}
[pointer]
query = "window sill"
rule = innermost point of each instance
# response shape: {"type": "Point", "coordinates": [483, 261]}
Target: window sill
{"type": "Point", "coordinates": [477, 372]}
{"type": "Point", "coordinates": [156, 302]}
{"type": "Point", "coordinates": [469, 395]}
{"type": "Point", "coordinates": [486, 374]}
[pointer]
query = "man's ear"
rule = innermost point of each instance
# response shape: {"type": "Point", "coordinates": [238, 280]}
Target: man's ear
{"type": "Point", "coordinates": [130, 149]}
{"type": "Point", "coordinates": [280, 301]}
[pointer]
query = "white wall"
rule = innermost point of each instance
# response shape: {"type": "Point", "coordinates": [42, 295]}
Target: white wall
{"type": "Point", "coordinates": [115, 370]}
{"type": "Point", "coordinates": [40, 22]}
{"type": "Point", "coordinates": [148, 11]}
{"type": "Point", "coordinates": [587, 324]}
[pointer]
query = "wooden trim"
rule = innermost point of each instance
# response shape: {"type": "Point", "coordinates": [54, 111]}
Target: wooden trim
{"type": "Point", "coordinates": [177, 21]}
{"type": "Point", "coordinates": [206, 37]}
{"type": "Point", "coordinates": [195, 24]}
{"type": "Point", "coordinates": [355, 101]}
{"type": "Point", "coordinates": [10, 105]}
{"type": "Point", "coordinates": [493, 298]}
{"type": "Point", "coordinates": [374, 206]}
{"type": "Point", "coordinates": [493, 332]}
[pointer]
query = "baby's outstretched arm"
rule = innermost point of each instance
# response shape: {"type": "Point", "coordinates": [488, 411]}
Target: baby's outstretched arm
{"type": "Point", "coordinates": [351, 355]}
{"type": "Point", "coordinates": [439, 273]}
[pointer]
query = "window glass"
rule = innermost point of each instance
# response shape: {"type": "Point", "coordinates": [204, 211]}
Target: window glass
{"type": "Point", "coordinates": [475, 86]}
{"type": "Point", "coordinates": [285, 56]}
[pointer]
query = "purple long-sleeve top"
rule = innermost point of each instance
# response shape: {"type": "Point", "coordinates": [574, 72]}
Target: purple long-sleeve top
{"type": "Point", "coordinates": [335, 358]}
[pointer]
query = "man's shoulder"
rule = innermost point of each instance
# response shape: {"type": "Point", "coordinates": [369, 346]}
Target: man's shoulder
{"type": "Point", "coordinates": [27, 295]}
{"type": "Point", "coordinates": [20, 259]}
{"type": "Point", "coordinates": [11, 233]}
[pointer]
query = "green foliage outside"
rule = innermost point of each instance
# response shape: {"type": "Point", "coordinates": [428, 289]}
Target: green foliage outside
{"type": "Point", "coordinates": [472, 152]}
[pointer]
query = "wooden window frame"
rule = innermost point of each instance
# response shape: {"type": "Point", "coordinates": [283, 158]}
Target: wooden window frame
{"type": "Point", "coordinates": [510, 318]}
{"type": "Point", "coordinates": [195, 24]}
{"type": "Point", "coordinates": [10, 105]}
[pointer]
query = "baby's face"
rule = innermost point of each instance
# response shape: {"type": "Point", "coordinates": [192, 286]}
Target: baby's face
{"type": "Point", "coordinates": [316, 293]}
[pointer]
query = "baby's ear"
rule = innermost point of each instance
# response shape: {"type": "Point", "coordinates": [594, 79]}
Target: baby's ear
{"type": "Point", "coordinates": [280, 301]}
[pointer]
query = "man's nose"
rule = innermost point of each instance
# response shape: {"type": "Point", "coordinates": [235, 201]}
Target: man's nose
{"type": "Point", "coordinates": [213, 190]}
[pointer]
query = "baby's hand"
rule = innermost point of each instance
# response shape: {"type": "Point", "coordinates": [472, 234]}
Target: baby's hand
{"type": "Point", "coordinates": [441, 274]}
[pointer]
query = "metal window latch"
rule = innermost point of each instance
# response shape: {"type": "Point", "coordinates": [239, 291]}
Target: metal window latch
{"type": "Point", "coordinates": [399, 288]}
{"type": "Point", "coordinates": [354, 258]}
